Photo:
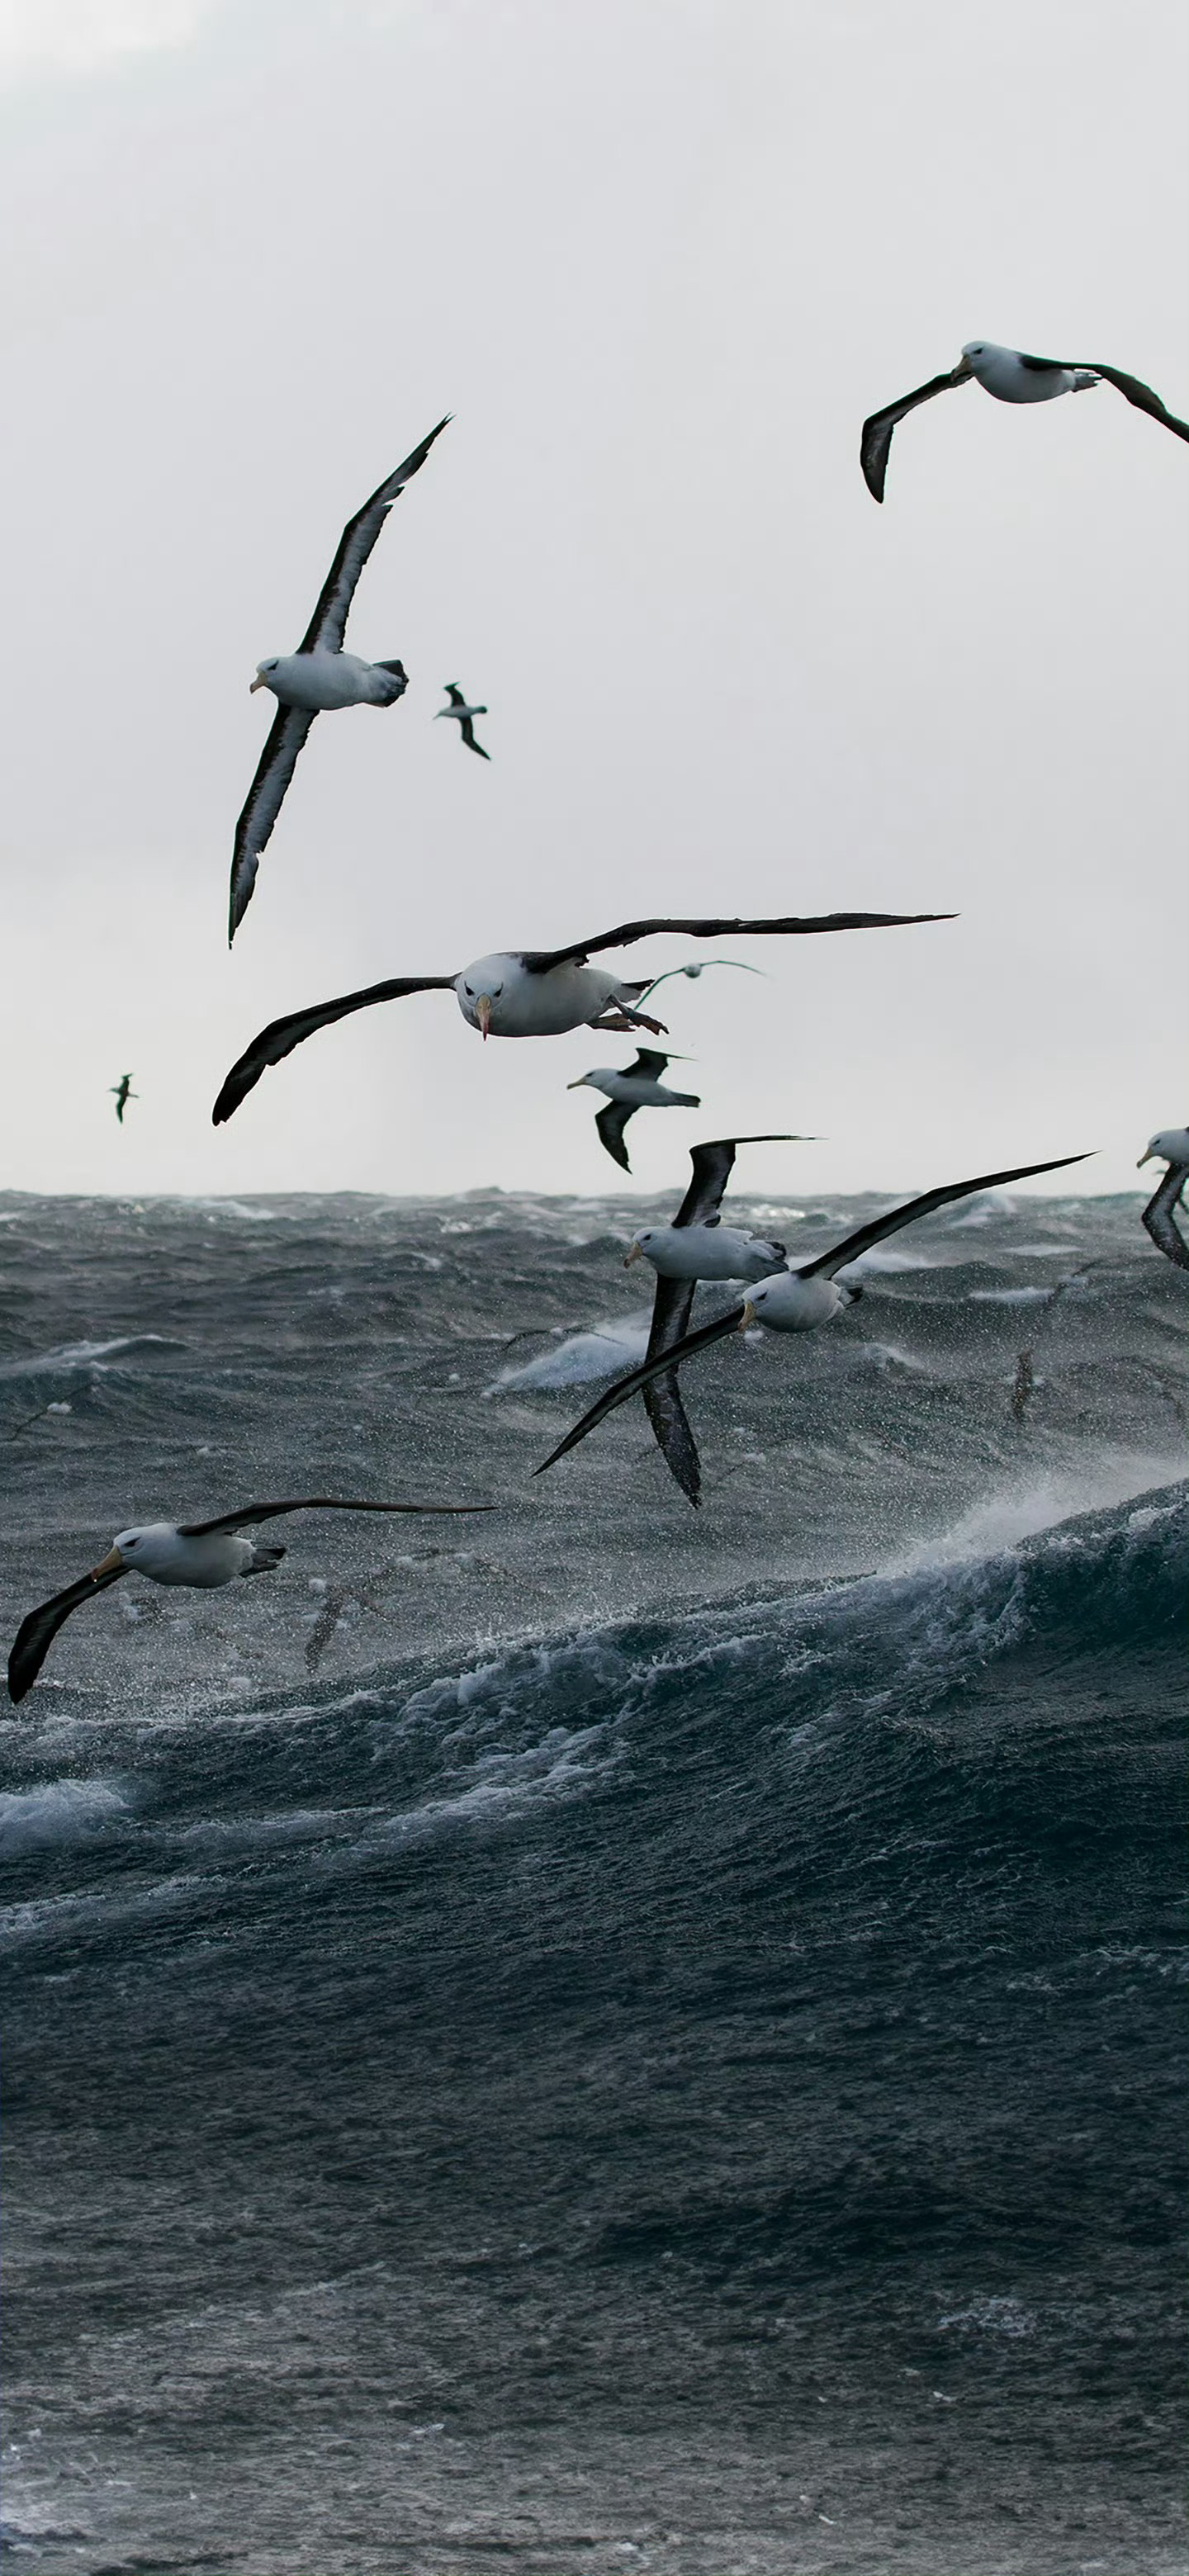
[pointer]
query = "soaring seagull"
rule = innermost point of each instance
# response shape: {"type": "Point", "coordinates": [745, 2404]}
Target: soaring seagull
{"type": "Point", "coordinates": [122, 1092]}
{"type": "Point", "coordinates": [697, 1245]}
{"type": "Point", "coordinates": [318, 675]}
{"type": "Point", "coordinates": [1010, 377]}
{"type": "Point", "coordinates": [1171, 1146]}
{"type": "Point", "coordinates": [635, 1086]}
{"type": "Point", "coordinates": [462, 714]}
{"type": "Point", "coordinates": [793, 1301]}
{"type": "Point", "coordinates": [200, 1554]}
{"type": "Point", "coordinates": [532, 993]}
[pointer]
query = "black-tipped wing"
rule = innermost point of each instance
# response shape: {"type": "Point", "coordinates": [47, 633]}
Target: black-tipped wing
{"type": "Point", "coordinates": [648, 1066]}
{"type": "Point", "coordinates": [266, 795]}
{"type": "Point", "coordinates": [1141, 395]}
{"type": "Point", "coordinates": [712, 1164]}
{"type": "Point", "coordinates": [36, 1634]}
{"type": "Point", "coordinates": [328, 625]}
{"type": "Point", "coordinates": [638, 1378]}
{"type": "Point", "coordinates": [281, 1036]}
{"type": "Point", "coordinates": [467, 730]}
{"type": "Point", "coordinates": [611, 1122]}
{"type": "Point", "coordinates": [1160, 1222]}
{"type": "Point", "coordinates": [253, 1512]}
{"type": "Point", "coordinates": [877, 432]}
{"type": "Point", "coordinates": [539, 960]}
{"type": "Point", "coordinates": [881, 1226]}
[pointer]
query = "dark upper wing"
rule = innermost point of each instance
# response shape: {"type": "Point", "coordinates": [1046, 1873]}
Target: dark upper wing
{"type": "Point", "coordinates": [456, 695]}
{"type": "Point", "coordinates": [712, 1164]}
{"type": "Point", "coordinates": [1159, 1220]}
{"type": "Point", "coordinates": [1141, 395]}
{"type": "Point", "coordinates": [539, 960]}
{"type": "Point", "coordinates": [274, 769]}
{"type": "Point", "coordinates": [281, 1036]}
{"type": "Point", "coordinates": [865, 1235]}
{"type": "Point", "coordinates": [312, 1503]}
{"type": "Point", "coordinates": [648, 1066]}
{"type": "Point", "coordinates": [36, 1634]}
{"type": "Point", "coordinates": [662, 1396]}
{"type": "Point", "coordinates": [467, 730]}
{"type": "Point", "coordinates": [638, 1378]}
{"type": "Point", "coordinates": [877, 432]}
{"type": "Point", "coordinates": [611, 1122]}
{"type": "Point", "coordinates": [328, 625]}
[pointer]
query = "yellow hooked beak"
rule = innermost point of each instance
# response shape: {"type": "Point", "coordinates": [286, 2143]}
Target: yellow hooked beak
{"type": "Point", "coordinates": [1149, 1157]}
{"type": "Point", "coordinates": [580, 1085]}
{"type": "Point", "coordinates": [964, 367]}
{"type": "Point", "coordinates": [110, 1564]}
{"type": "Point", "coordinates": [258, 683]}
{"type": "Point", "coordinates": [483, 1013]}
{"type": "Point", "coordinates": [747, 1317]}
{"type": "Point", "coordinates": [637, 1250]}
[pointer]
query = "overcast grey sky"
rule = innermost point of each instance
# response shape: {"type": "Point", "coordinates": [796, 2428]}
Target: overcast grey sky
{"type": "Point", "coordinates": [659, 257]}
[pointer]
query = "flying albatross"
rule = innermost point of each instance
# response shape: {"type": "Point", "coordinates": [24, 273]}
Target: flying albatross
{"type": "Point", "coordinates": [1010, 377]}
{"type": "Point", "coordinates": [532, 992]}
{"type": "Point", "coordinates": [1171, 1146]}
{"type": "Point", "coordinates": [200, 1554]}
{"type": "Point", "coordinates": [462, 714]}
{"type": "Point", "coordinates": [122, 1092]}
{"type": "Point", "coordinates": [636, 1086]}
{"type": "Point", "coordinates": [697, 1245]}
{"type": "Point", "coordinates": [317, 676]}
{"type": "Point", "coordinates": [793, 1300]}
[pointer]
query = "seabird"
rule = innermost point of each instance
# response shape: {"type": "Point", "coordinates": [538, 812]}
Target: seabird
{"type": "Point", "coordinates": [697, 1245]}
{"type": "Point", "coordinates": [638, 1086]}
{"type": "Point", "coordinates": [794, 1300]}
{"type": "Point", "coordinates": [1010, 377]}
{"type": "Point", "coordinates": [532, 993]}
{"type": "Point", "coordinates": [122, 1092]}
{"type": "Point", "coordinates": [317, 676]}
{"type": "Point", "coordinates": [462, 714]}
{"type": "Point", "coordinates": [1171, 1146]}
{"type": "Point", "coordinates": [200, 1554]}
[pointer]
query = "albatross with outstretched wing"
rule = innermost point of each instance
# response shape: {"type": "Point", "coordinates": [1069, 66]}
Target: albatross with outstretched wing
{"type": "Point", "coordinates": [1012, 377]}
{"type": "Point", "coordinates": [318, 676]}
{"type": "Point", "coordinates": [535, 992]}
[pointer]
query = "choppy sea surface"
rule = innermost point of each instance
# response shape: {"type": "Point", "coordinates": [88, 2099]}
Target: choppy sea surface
{"type": "Point", "coordinates": [605, 2037]}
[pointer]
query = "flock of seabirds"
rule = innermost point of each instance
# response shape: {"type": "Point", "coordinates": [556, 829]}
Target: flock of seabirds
{"type": "Point", "coordinates": [520, 993]}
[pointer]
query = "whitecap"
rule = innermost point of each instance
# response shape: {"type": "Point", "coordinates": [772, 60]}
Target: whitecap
{"type": "Point", "coordinates": [58, 1812]}
{"type": "Point", "coordinates": [82, 1354]}
{"type": "Point", "coordinates": [601, 1352]}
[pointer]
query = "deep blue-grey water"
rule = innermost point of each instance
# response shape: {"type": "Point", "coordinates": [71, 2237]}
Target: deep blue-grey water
{"type": "Point", "coordinates": [601, 2037]}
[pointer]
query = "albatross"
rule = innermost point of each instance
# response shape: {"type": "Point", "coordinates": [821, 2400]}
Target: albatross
{"type": "Point", "coordinates": [533, 992]}
{"type": "Point", "coordinates": [1013, 378]}
{"type": "Point", "coordinates": [319, 675]}
{"type": "Point", "coordinates": [636, 1086]}
{"type": "Point", "coordinates": [1171, 1146]}
{"type": "Point", "coordinates": [463, 716]}
{"type": "Point", "coordinates": [122, 1092]}
{"type": "Point", "coordinates": [199, 1554]}
{"type": "Point", "coordinates": [794, 1300]}
{"type": "Point", "coordinates": [697, 1245]}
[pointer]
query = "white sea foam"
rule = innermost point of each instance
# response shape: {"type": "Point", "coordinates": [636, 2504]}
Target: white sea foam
{"type": "Point", "coordinates": [58, 1812]}
{"type": "Point", "coordinates": [82, 1354]}
{"type": "Point", "coordinates": [601, 1352]}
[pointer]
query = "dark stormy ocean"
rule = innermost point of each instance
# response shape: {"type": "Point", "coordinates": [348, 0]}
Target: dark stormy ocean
{"type": "Point", "coordinates": [603, 2038]}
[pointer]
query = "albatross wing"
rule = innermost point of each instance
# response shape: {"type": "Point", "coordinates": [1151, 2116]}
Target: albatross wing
{"type": "Point", "coordinates": [281, 1036]}
{"type": "Point", "coordinates": [1159, 1219]}
{"type": "Point", "coordinates": [328, 625]}
{"type": "Point", "coordinates": [538, 961]}
{"type": "Point", "coordinates": [881, 1226]}
{"type": "Point", "coordinates": [37, 1632]}
{"type": "Point", "coordinates": [265, 797]}
{"type": "Point", "coordinates": [638, 1378]}
{"type": "Point", "coordinates": [611, 1122]}
{"type": "Point", "coordinates": [1141, 395]}
{"type": "Point", "coordinates": [877, 431]}
{"type": "Point", "coordinates": [253, 1512]}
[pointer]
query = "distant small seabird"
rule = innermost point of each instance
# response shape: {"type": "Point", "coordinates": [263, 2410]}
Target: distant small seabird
{"type": "Point", "coordinates": [122, 1092]}
{"type": "Point", "coordinates": [1012, 378]}
{"type": "Point", "coordinates": [1171, 1146]}
{"type": "Point", "coordinates": [697, 1245]}
{"type": "Point", "coordinates": [200, 1554]}
{"type": "Point", "coordinates": [462, 715]}
{"type": "Point", "coordinates": [794, 1301]}
{"type": "Point", "coordinates": [533, 993]}
{"type": "Point", "coordinates": [637, 1086]}
{"type": "Point", "coordinates": [319, 675]}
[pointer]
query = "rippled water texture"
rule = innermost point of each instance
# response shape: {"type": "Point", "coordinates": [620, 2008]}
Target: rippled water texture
{"type": "Point", "coordinates": [605, 2037]}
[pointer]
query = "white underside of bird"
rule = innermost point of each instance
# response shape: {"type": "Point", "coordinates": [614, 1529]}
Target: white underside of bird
{"type": "Point", "coordinates": [166, 1555]}
{"type": "Point", "coordinates": [321, 680]}
{"type": "Point", "coordinates": [789, 1303]}
{"type": "Point", "coordinates": [703, 1252]}
{"type": "Point", "coordinates": [1002, 372]}
{"type": "Point", "coordinates": [633, 1091]}
{"type": "Point", "coordinates": [499, 996]}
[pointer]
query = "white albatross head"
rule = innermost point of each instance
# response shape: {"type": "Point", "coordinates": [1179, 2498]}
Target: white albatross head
{"type": "Point", "coordinates": [265, 674]}
{"type": "Point", "coordinates": [479, 988]}
{"type": "Point", "coordinates": [1170, 1146]}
